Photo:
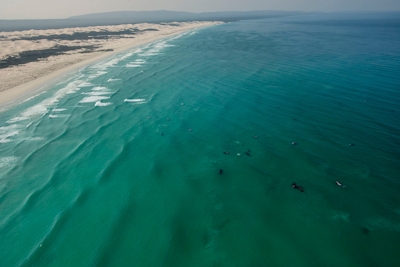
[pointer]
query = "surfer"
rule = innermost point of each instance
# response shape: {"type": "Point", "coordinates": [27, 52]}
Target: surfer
{"type": "Point", "coordinates": [220, 171]}
{"type": "Point", "coordinates": [247, 153]}
{"type": "Point", "coordinates": [339, 184]}
{"type": "Point", "coordinates": [295, 186]}
{"type": "Point", "coordinates": [294, 143]}
{"type": "Point", "coordinates": [226, 152]}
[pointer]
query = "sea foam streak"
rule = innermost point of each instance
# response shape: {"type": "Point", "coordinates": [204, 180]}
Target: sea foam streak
{"type": "Point", "coordinates": [86, 84]}
{"type": "Point", "coordinates": [112, 80]}
{"type": "Point", "coordinates": [93, 99]}
{"type": "Point", "coordinates": [97, 93]}
{"type": "Point", "coordinates": [8, 161]}
{"type": "Point", "coordinates": [43, 107]}
{"type": "Point", "coordinates": [137, 100]}
{"type": "Point", "coordinates": [4, 138]}
{"type": "Point", "coordinates": [99, 88]}
{"type": "Point", "coordinates": [101, 104]}
{"type": "Point", "coordinates": [135, 64]}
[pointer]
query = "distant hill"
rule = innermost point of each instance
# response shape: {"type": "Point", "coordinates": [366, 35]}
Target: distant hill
{"type": "Point", "coordinates": [124, 17]}
{"type": "Point", "coordinates": [168, 16]}
{"type": "Point", "coordinates": [135, 14]}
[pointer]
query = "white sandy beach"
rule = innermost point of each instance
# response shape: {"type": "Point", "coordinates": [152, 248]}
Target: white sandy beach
{"type": "Point", "coordinates": [20, 81]}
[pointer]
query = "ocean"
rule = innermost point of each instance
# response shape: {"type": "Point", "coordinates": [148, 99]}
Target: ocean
{"type": "Point", "coordinates": [183, 152]}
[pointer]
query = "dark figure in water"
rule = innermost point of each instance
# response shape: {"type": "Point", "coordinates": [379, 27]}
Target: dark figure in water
{"type": "Point", "coordinates": [220, 171]}
{"type": "Point", "coordinates": [294, 143]}
{"type": "Point", "coordinates": [351, 145]}
{"type": "Point", "coordinates": [295, 186]}
{"type": "Point", "coordinates": [247, 153]}
{"type": "Point", "coordinates": [162, 133]}
{"type": "Point", "coordinates": [226, 152]}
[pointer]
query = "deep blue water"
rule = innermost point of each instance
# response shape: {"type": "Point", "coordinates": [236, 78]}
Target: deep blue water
{"type": "Point", "coordinates": [118, 164]}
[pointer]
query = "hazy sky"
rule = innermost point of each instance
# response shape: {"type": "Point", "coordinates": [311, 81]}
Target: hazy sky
{"type": "Point", "coordinates": [34, 9]}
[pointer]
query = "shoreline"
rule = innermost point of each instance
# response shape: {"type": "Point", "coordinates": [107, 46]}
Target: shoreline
{"type": "Point", "coordinates": [15, 95]}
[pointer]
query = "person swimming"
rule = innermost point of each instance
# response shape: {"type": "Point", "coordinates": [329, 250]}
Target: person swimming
{"type": "Point", "coordinates": [226, 152]}
{"type": "Point", "coordinates": [295, 186]}
{"type": "Point", "coordinates": [220, 171]}
{"type": "Point", "coordinates": [339, 184]}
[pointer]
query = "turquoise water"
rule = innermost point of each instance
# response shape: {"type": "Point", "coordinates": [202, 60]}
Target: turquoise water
{"type": "Point", "coordinates": [118, 164]}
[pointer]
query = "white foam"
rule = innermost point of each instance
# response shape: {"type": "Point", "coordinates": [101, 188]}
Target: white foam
{"type": "Point", "coordinates": [112, 62]}
{"type": "Point", "coordinates": [126, 56]}
{"type": "Point", "coordinates": [149, 54]}
{"type": "Point", "coordinates": [9, 131]}
{"type": "Point", "coordinates": [93, 99]}
{"type": "Point", "coordinates": [43, 107]}
{"type": "Point", "coordinates": [40, 109]}
{"type": "Point", "coordinates": [33, 138]}
{"type": "Point", "coordinates": [8, 161]}
{"type": "Point", "coordinates": [97, 93]}
{"type": "Point", "coordinates": [8, 128]}
{"type": "Point", "coordinates": [59, 109]}
{"type": "Point", "coordinates": [135, 64]}
{"type": "Point", "coordinates": [136, 100]}
{"type": "Point", "coordinates": [113, 80]}
{"type": "Point", "coordinates": [101, 104]}
{"type": "Point", "coordinates": [16, 119]}
{"type": "Point", "coordinates": [155, 49]}
{"type": "Point", "coordinates": [103, 66]}
{"type": "Point", "coordinates": [53, 116]}
{"type": "Point", "coordinates": [32, 97]}
{"type": "Point", "coordinates": [132, 65]}
{"type": "Point", "coordinates": [86, 84]}
{"type": "Point", "coordinates": [35, 110]}
{"type": "Point", "coordinates": [98, 74]}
